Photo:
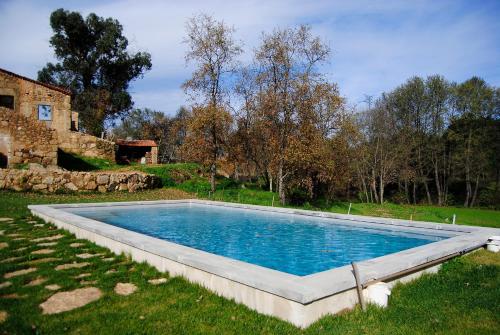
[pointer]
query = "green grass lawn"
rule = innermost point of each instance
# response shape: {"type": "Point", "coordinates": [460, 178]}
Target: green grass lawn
{"type": "Point", "coordinates": [461, 299]}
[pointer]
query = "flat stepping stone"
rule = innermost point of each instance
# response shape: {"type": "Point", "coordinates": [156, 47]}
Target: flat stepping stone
{"type": "Point", "coordinates": [3, 316]}
{"type": "Point", "coordinates": [19, 273]}
{"type": "Point", "coordinates": [48, 238]}
{"type": "Point", "coordinates": [158, 281]}
{"type": "Point", "coordinates": [76, 245]}
{"type": "Point", "coordinates": [5, 284]}
{"type": "Point", "coordinates": [67, 301]}
{"type": "Point", "coordinates": [37, 281]}
{"type": "Point", "coordinates": [110, 271]}
{"type": "Point", "coordinates": [39, 225]}
{"type": "Point", "coordinates": [3, 245]}
{"type": "Point", "coordinates": [110, 259]}
{"type": "Point", "coordinates": [6, 219]}
{"type": "Point", "coordinates": [125, 288]}
{"type": "Point", "coordinates": [1, 232]}
{"type": "Point", "coordinates": [47, 244]}
{"type": "Point", "coordinates": [83, 275]}
{"type": "Point", "coordinates": [53, 287]}
{"type": "Point", "coordinates": [86, 255]}
{"type": "Point", "coordinates": [11, 259]}
{"type": "Point", "coordinates": [32, 221]}
{"type": "Point", "coordinates": [19, 239]}
{"type": "Point", "coordinates": [89, 282]}
{"type": "Point", "coordinates": [44, 260]}
{"type": "Point", "coordinates": [42, 252]}
{"type": "Point", "coordinates": [14, 235]}
{"type": "Point", "coordinates": [71, 266]}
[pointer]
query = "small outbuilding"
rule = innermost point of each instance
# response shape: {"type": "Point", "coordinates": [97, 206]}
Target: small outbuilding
{"type": "Point", "coordinates": [139, 151]}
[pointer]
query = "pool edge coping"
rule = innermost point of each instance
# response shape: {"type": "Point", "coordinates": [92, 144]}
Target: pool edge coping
{"type": "Point", "coordinates": [303, 290]}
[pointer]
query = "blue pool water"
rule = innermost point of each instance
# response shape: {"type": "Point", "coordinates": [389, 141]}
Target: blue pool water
{"type": "Point", "coordinates": [294, 244]}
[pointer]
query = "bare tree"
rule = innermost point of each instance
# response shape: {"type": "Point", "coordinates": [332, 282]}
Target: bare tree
{"type": "Point", "coordinates": [213, 50]}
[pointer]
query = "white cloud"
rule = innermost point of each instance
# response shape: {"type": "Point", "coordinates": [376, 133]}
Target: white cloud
{"type": "Point", "coordinates": [376, 44]}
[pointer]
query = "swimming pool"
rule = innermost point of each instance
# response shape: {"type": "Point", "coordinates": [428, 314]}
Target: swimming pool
{"type": "Point", "coordinates": [288, 263]}
{"type": "Point", "coordinates": [298, 245]}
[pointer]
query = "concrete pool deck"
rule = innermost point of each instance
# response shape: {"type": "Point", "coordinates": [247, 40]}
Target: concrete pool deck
{"type": "Point", "coordinates": [300, 300]}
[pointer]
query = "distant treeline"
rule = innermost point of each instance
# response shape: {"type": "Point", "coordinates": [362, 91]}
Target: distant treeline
{"type": "Point", "coordinates": [428, 141]}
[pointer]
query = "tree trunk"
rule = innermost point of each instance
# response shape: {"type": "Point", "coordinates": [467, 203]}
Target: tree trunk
{"type": "Point", "coordinates": [438, 184]}
{"type": "Point", "coordinates": [468, 186]}
{"type": "Point", "coordinates": [474, 196]}
{"type": "Point", "coordinates": [270, 178]}
{"type": "Point", "coordinates": [281, 186]}
{"type": "Point", "coordinates": [213, 170]}
{"type": "Point", "coordinates": [427, 192]}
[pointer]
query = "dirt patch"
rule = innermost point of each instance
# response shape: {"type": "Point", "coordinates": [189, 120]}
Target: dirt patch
{"type": "Point", "coordinates": [19, 273]}
{"type": "Point", "coordinates": [125, 288]}
{"type": "Point", "coordinates": [71, 266]}
{"type": "Point", "coordinates": [66, 301]}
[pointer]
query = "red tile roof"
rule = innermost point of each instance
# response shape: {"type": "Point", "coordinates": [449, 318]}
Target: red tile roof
{"type": "Point", "coordinates": [137, 143]}
{"type": "Point", "coordinates": [52, 87]}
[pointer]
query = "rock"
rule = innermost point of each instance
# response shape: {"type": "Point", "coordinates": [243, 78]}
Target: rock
{"type": "Point", "coordinates": [3, 245]}
{"type": "Point", "coordinates": [39, 187]}
{"type": "Point", "coordinates": [71, 187]}
{"type": "Point", "coordinates": [11, 259]}
{"type": "Point", "coordinates": [53, 287]}
{"type": "Point", "coordinates": [43, 252]}
{"type": "Point", "coordinates": [158, 281]}
{"type": "Point", "coordinates": [83, 275]}
{"type": "Point", "coordinates": [48, 238]}
{"type": "Point", "coordinates": [89, 282]}
{"type": "Point", "coordinates": [19, 273]}
{"type": "Point", "coordinates": [71, 266]}
{"type": "Point", "coordinates": [3, 316]}
{"type": "Point", "coordinates": [125, 288]}
{"type": "Point", "coordinates": [86, 255]}
{"type": "Point", "coordinates": [44, 260]}
{"type": "Point", "coordinates": [5, 284]}
{"type": "Point", "coordinates": [36, 281]}
{"type": "Point", "coordinates": [66, 301]}
{"type": "Point", "coordinates": [102, 179]}
{"type": "Point", "coordinates": [76, 245]}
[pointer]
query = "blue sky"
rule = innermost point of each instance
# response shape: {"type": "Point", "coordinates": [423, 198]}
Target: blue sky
{"type": "Point", "coordinates": [376, 45]}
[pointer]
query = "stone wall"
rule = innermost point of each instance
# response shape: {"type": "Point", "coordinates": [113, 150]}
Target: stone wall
{"type": "Point", "coordinates": [86, 145]}
{"type": "Point", "coordinates": [25, 140]}
{"type": "Point", "coordinates": [54, 179]}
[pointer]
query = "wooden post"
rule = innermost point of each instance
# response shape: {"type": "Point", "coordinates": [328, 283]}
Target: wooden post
{"type": "Point", "coordinates": [359, 288]}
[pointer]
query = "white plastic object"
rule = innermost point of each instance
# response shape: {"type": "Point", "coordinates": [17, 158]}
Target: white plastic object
{"type": "Point", "coordinates": [377, 294]}
{"type": "Point", "coordinates": [493, 244]}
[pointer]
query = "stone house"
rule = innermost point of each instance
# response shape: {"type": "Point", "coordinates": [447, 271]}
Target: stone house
{"type": "Point", "coordinates": [36, 121]}
{"type": "Point", "coordinates": [140, 151]}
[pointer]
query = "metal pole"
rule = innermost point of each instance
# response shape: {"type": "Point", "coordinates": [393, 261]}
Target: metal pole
{"type": "Point", "coordinates": [359, 288]}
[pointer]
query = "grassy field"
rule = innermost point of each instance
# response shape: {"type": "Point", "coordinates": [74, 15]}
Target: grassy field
{"type": "Point", "coordinates": [461, 299]}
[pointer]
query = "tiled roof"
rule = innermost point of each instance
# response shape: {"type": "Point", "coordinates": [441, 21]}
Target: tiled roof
{"type": "Point", "coordinates": [137, 143]}
{"type": "Point", "coordinates": [52, 87]}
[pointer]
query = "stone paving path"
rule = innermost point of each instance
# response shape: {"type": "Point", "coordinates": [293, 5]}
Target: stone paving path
{"type": "Point", "coordinates": [19, 273]}
{"type": "Point", "coordinates": [125, 288]}
{"type": "Point", "coordinates": [66, 301]}
{"type": "Point", "coordinates": [71, 266]}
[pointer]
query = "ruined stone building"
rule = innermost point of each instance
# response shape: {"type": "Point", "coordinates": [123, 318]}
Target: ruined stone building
{"type": "Point", "coordinates": [36, 121]}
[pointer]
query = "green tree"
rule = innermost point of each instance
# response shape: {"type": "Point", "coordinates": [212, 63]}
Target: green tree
{"type": "Point", "coordinates": [95, 65]}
